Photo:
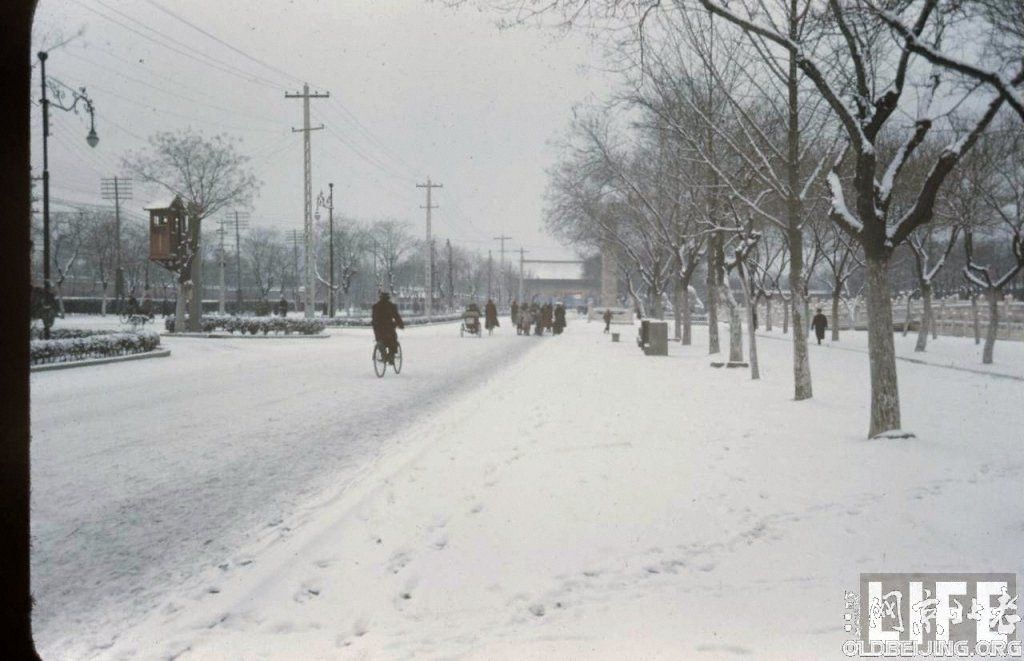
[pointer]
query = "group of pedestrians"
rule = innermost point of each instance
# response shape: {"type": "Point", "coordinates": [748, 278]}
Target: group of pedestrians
{"type": "Point", "coordinates": [538, 318]}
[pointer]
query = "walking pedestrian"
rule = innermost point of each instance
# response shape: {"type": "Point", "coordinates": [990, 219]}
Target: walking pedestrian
{"type": "Point", "coordinates": [607, 321]}
{"type": "Point", "coordinates": [819, 324]}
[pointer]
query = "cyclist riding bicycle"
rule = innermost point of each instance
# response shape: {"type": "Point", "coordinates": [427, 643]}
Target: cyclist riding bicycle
{"type": "Point", "coordinates": [385, 319]}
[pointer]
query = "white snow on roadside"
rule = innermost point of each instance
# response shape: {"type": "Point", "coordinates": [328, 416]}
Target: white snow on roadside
{"type": "Point", "coordinates": [591, 502]}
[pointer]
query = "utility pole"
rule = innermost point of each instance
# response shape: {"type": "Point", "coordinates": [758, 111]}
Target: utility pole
{"type": "Point", "coordinates": [501, 263]}
{"type": "Point", "coordinates": [295, 239]}
{"type": "Point", "coordinates": [117, 189]}
{"type": "Point", "coordinates": [451, 280]}
{"type": "Point", "coordinates": [308, 188]}
{"type": "Point", "coordinates": [221, 231]}
{"type": "Point", "coordinates": [428, 280]}
{"type": "Point", "coordinates": [329, 203]}
{"type": "Point", "coordinates": [522, 259]}
{"type": "Point", "coordinates": [490, 261]}
{"type": "Point", "coordinates": [240, 220]}
{"type": "Point", "coordinates": [432, 269]}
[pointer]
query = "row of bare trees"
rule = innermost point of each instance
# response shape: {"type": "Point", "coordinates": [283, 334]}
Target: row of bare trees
{"type": "Point", "coordinates": [368, 257]}
{"type": "Point", "coordinates": [779, 139]}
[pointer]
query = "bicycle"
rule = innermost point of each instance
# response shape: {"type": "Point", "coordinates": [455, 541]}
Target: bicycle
{"type": "Point", "coordinates": [382, 358]}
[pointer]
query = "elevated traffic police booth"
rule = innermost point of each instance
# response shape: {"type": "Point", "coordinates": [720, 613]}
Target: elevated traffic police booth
{"type": "Point", "coordinates": [168, 231]}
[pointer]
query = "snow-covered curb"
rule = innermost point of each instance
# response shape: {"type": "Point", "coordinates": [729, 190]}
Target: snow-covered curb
{"type": "Point", "coordinates": [161, 353]}
{"type": "Point", "coordinates": [247, 336]}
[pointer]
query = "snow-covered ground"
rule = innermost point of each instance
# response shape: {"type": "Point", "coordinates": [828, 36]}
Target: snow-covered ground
{"type": "Point", "coordinates": [945, 351]}
{"type": "Point", "coordinates": [144, 473]}
{"type": "Point", "coordinates": [582, 501]}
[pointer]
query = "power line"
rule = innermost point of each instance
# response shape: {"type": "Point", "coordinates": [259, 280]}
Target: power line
{"type": "Point", "coordinates": [224, 43]}
{"type": "Point", "coordinates": [161, 40]}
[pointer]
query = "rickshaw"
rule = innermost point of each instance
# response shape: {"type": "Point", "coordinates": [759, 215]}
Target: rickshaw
{"type": "Point", "coordinates": [470, 322]}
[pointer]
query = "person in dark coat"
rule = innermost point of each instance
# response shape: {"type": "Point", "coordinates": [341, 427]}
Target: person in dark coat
{"type": "Point", "coordinates": [819, 324]}
{"type": "Point", "coordinates": [559, 319]}
{"type": "Point", "coordinates": [515, 313]}
{"type": "Point", "coordinates": [538, 319]}
{"type": "Point", "coordinates": [607, 316]}
{"type": "Point", "coordinates": [491, 316]}
{"type": "Point", "coordinates": [385, 319]}
{"type": "Point", "coordinates": [282, 307]}
{"type": "Point", "coordinates": [545, 315]}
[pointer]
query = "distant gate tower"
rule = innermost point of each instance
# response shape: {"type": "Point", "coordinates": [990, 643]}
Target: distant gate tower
{"type": "Point", "coordinates": [609, 275]}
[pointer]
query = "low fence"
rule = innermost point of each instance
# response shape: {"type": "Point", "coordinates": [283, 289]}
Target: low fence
{"type": "Point", "coordinates": [953, 317]}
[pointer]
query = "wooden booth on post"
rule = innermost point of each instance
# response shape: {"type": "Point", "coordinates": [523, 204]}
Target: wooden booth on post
{"type": "Point", "coordinates": [168, 232]}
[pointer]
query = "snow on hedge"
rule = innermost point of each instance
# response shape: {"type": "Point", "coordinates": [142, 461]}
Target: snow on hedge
{"type": "Point", "coordinates": [256, 325]}
{"type": "Point", "coordinates": [82, 345]}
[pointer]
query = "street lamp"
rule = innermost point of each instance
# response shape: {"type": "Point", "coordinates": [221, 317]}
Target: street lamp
{"type": "Point", "coordinates": [328, 202]}
{"type": "Point", "coordinates": [91, 139]}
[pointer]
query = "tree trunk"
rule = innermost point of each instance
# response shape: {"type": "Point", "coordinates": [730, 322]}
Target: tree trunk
{"type": "Point", "coordinates": [103, 301]}
{"type": "Point", "coordinates": [835, 314]}
{"type": "Point", "coordinates": [993, 326]}
{"type": "Point", "coordinates": [687, 334]}
{"type": "Point", "coordinates": [755, 372]}
{"type": "Point", "coordinates": [179, 308]}
{"type": "Point", "coordinates": [794, 232]}
{"type": "Point", "coordinates": [906, 319]}
{"type": "Point", "coordinates": [926, 317]}
{"type": "Point", "coordinates": [714, 345]}
{"type": "Point", "coordinates": [885, 398]}
{"type": "Point", "coordinates": [768, 313]}
{"type": "Point", "coordinates": [195, 307]}
{"type": "Point", "coordinates": [933, 321]}
{"type": "Point", "coordinates": [735, 325]}
{"type": "Point", "coordinates": [677, 313]}
{"type": "Point", "coordinates": [785, 314]}
{"type": "Point", "coordinates": [976, 318]}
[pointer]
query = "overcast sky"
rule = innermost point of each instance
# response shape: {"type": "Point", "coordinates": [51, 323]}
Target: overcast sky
{"type": "Point", "coordinates": [417, 89]}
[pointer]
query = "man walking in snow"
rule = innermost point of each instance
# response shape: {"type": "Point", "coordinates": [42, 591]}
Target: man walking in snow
{"type": "Point", "coordinates": [607, 320]}
{"type": "Point", "coordinates": [385, 319]}
{"type": "Point", "coordinates": [819, 324]}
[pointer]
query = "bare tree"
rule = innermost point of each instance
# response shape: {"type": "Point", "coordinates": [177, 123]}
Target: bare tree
{"type": "Point", "coordinates": [210, 175]}
{"type": "Point", "coordinates": [392, 241]}
{"type": "Point", "coordinates": [998, 64]}
{"type": "Point", "coordinates": [98, 245]}
{"type": "Point", "coordinates": [999, 181]}
{"type": "Point", "coordinates": [878, 86]}
{"type": "Point", "coordinates": [68, 235]}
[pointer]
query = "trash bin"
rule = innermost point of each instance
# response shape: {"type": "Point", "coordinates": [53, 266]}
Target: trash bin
{"type": "Point", "coordinates": [656, 337]}
{"type": "Point", "coordinates": [615, 337]}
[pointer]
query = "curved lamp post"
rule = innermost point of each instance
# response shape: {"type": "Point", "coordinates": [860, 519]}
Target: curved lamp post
{"type": "Point", "coordinates": [91, 139]}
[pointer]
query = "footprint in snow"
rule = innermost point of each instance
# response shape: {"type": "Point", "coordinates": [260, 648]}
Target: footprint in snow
{"type": "Point", "coordinates": [440, 543]}
{"type": "Point", "coordinates": [305, 594]}
{"type": "Point", "coordinates": [398, 562]}
{"type": "Point", "coordinates": [476, 509]}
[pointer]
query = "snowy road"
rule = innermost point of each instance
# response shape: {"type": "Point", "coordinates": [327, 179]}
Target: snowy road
{"type": "Point", "coordinates": [147, 471]}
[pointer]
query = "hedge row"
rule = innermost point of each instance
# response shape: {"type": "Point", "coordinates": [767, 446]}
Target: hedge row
{"type": "Point", "coordinates": [65, 333]}
{"type": "Point", "coordinates": [256, 325]}
{"type": "Point", "coordinates": [101, 345]}
{"type": "Point", "coordinates": [409, 321]}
